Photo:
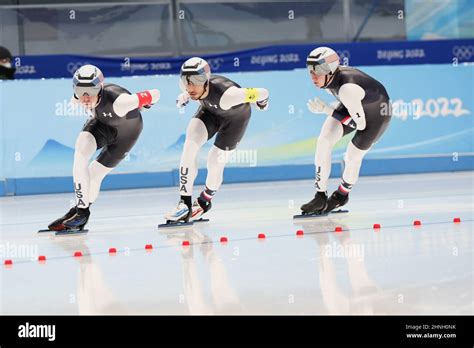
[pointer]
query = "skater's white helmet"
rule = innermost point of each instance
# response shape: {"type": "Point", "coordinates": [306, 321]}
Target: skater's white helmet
{"type": "Point", "coordinates": [195, 70]}
{"type": "Point", "coordinates": [322, 61]}
{"type": "Point", "coordinates": [87, 80]}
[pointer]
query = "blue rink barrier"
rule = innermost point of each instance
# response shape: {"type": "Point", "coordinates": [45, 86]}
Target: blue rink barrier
{"type": "Point", "coordinates": [285, 57]}
{"type": "Point", "coordinates": [370, 167]}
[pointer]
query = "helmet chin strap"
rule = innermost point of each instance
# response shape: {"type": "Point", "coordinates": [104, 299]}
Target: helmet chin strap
{"type": "Point", "coordinates": [327, 80]}
{"type": "Point", "coordinates": [98, 101]}
{"type": "Point", "coordinates": [205, 87]}
{"type": "Point", "coordinates": [99, 97]}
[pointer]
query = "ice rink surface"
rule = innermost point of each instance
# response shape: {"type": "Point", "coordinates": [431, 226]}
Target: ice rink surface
{"type": "Point", "coordinates": [397, 269]}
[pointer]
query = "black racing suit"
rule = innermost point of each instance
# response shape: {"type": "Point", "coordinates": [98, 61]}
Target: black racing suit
{"type": "Point", "coordinates": [376, 105]}
{"type": "Point", "coordinates": [115, 135]}
{"type": "Point", "coordinates": [230, 125]}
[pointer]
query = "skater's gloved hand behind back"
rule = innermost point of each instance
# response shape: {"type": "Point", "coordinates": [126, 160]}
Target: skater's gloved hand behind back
{"type": "Point", "coordinates": [182, 100]}
{"type": "Point", "coordinates": [318, 106]}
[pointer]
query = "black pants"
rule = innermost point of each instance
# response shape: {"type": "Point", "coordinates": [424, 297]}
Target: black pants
{"type": "Point", "coordinates": [230, 129]}
{"type": "Point", "coordinates": [376, 124]}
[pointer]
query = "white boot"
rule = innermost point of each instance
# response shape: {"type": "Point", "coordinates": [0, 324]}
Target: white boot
{"type": "Point", "coordinates": [198, 211]}
{"type": "Point", "coordinates": [179, 213]}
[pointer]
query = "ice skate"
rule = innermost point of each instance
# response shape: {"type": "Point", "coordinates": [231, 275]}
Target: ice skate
{"type": "Point", "coordinates": [71, 223]}
{"type": "Point", "coordinates": [58, 224]}
{"type": "Point", "coordinates": [179, 216]}
{"type": "Point", "coordinates": [199, 208]}
{"type": "Point", "coordinates": [317, 205]}
{"type": "Point", "coordinates": [335, 201]}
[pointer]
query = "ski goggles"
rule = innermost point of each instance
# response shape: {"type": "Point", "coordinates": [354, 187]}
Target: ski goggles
{"type": "Point", "coordinates": [321, 66]}
{"type": "Point", "coordinates": [195, 79]}
{"type": "Point", "coordinates": [91, 88]}
{"type": "Point", "coordinates": [90, 91]}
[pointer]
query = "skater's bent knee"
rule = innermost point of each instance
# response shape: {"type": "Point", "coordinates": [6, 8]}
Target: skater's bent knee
{"type": "Point", "coordinates": [85, 145]}
{"type": "Point", "coordinates": [218, 157]}
{"type": "Point", "coordinates": [354, 154]}
{"type": "Point", "coordinates": [326, 141]}
{"type": "Point", "coordinates": [191, 143]}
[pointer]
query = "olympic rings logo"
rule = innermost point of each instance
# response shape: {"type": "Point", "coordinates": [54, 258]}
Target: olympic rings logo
{"type": "Point", "coordinates": [73, 66]}
{"type": "Point", "coordinates": [215, 63]}
{"type": "Point", "coordinates": [463, 52]}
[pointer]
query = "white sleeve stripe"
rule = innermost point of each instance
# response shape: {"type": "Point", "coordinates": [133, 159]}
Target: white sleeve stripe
{"type": "Point", "coordinates": [125, 103]}
{"type": "Point", "coordinates": [128, 102]}
{"type": "Point", "coordinates": [232, 96]}
{"type": "Point", "coordinates": [351, 95]}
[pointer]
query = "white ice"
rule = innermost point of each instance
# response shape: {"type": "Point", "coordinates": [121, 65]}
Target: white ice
{"type": "Point", "coordinates": [399, 269]}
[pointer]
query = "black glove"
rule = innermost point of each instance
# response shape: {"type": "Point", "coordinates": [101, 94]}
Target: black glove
{"type": "Point", "coordinates": [262, 104]}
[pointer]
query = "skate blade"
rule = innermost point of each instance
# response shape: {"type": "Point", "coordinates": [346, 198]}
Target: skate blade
{"type": "Point", "coordinates": [201, 220]}
{"type": "Point", "coordinates": [70, 232]}
{"type": "Point", "coordinates": [312, 216]}
{"type": "Point", "coordinates": [178, 224]}
{"type": "Point", "coordinates": [339, 211]}
{"type": "Point", "coordinates": [52, 231]}
{"type": "Point", "coordinates": [46, 230]}
{"type": "Point", "coordinates": [309, 216]}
